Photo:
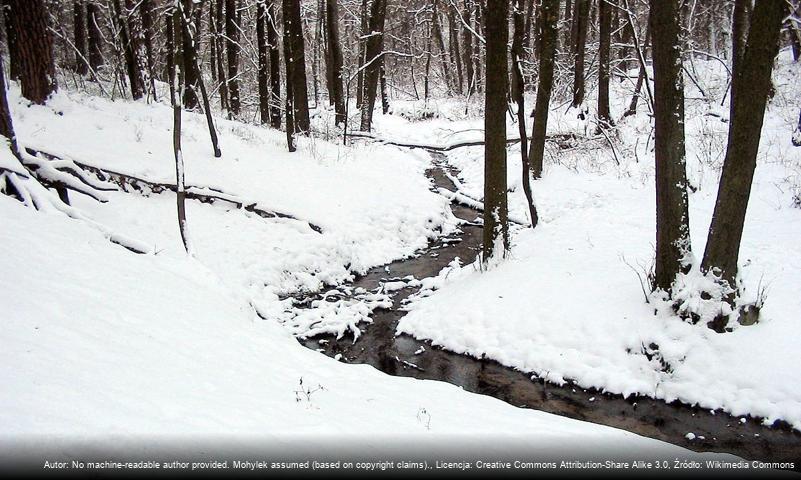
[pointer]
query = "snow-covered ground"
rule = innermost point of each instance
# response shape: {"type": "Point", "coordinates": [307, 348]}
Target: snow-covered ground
{"type": "Point", "coordinates": [104, 346]}
{"type": "Point", "coordinates": [568, 305]}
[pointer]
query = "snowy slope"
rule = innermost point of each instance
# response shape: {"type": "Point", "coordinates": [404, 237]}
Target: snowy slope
{"type": "Point", "coordinates": [568, 303]}
{"type": "Point", "coordinates": [100, 343]}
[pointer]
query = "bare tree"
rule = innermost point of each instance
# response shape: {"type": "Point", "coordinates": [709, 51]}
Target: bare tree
{"type": "Point", "coordinates": [94, 35]}
{"type": "Point", "coordinates": [496, 210]}
{"type": "Point", "coordinates": [232, 50]}
{"type": "Point", "coordinates": [604, 54]}
{"type": "Point", "coordinates": [335, 60]}
{"type": "Point", "coordinates": [295, 59]}
{"type": "Point", "coordinates": [373, 58]}
{"type": "Point", "coordinates": [672, 217]}
{"type": "Point", "coordinates": [79, 30]}
{"type": "Point", "coordinates": [581, 20]}
{"type": "Point", "coordinates": [518, 87]}
{"type": "Point", "coordinates": [751, 85]}
{"type": "Point", "coordinates": [548, 38]}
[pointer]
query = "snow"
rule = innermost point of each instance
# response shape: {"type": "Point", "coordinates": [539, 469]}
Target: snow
{"type": "Point", "coordinates": [568, 304]}
{"type": "Point", "coordinates": [105, 347]}
{"type": "Point", "coordinates": [372, 202]}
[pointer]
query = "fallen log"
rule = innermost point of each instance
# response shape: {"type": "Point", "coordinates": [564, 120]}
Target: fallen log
{"type": "Point", "coordinates": [128, 182]}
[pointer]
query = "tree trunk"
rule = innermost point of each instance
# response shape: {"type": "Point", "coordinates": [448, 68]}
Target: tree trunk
{"type": "Point", "coordinates": [455, 51]}
{"type": "Point", "coordinates": [146, 11]}
{"type": "Point", "coordinates": [672, 218]}
{"type": "Point", "coordinates": [335, 60]}
{"type": "Point", "coordinates": [567, 27]}
{"type": "Point", "coordinates": [751, 87]}
{"type": "Point", "coordinates": [548, 38]}
{"type": "Point", "coordinates": [220, 44]}
{"type": "Point", "coordinates": [739, 30]}
{"type": "Point", "coordinates": [496, 213]}
{"type": "Point", "coordinates": [517, 90]}
{"type": "Point", "coordinates": [296, 65]}
{"type": "Point", "coordinates": [176, 84]}
{"type": "Point", "coordinates": [133, 22]}
{"type": "Point", "coordinates": [33, 49]}
{"type": "Point", "coordinates": [6, 124]}
{"type": "Point", "coordinates": [79, 28]}
{"type": "Point", "coordinates": [362, 52]}
{"type": "Point", "coordinates": [275, 67]}
{"type": "Point", "coordinates": [127, 42]}
{"type": "Point", "coordinates": [581, 19]}
{"type": "Point", "coordinates": [232, 48]}
{"type": "Point", "coordinates": [373, 50]}
{"type": "Point", "coordinates": [263, 73]}
{"type": "Point", "coordinates": [467, 42]}
{"type": "Point", "coordinates": [94, 35]}
{"type": "Point", "coordinates": [604, 53]}
{"type": "Point", "coordinates": [11, 40]}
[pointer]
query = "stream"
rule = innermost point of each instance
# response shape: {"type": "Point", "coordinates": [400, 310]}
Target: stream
{"type": "Point", "coordinates": [406, 356]}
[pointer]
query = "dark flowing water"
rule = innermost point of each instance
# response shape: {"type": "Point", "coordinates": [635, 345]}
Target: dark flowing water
{"type": "Point", "coordinates": [401, 355]}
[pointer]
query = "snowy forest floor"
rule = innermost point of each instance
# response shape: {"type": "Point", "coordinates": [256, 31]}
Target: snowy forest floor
{"type": "Point", "coordinates": [104, 343]}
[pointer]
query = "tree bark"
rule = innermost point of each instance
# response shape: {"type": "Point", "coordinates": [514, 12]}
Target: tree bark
{"type": "Point", "coordinates": [739, 29]}
{"type": "Point", "coordinates": [127, 43]}
{"type": "Point", "coordinates": [373, 53]}
{"type": "Point", "coordinates": [467, 42]}
{"type": "Point", "coordinates": [672, 218]}
{"type": "Point", "coordinates": [296, 65]}
{"type": "Point", "coordinates": [146, 11]}
{"type": "Point", "coordinates": [548, 38]}
{"type": "Point", "coordinates": [33, 49]}
{"type": "Point", "coordinates": [517, 90]}
{"type": "Point", "coordinates": [11, 40]}
{"type": "Point", "coordinates": [604, 54]}
{"type": "Point", "coordinates": [79, 29]}
{"type": "Point", "coordinates": [496, 212]}
{"type": "Point", "coordinates": [232, 48]}
{"type": "Point", "coordinates": [176, 84]}
{"type": "Point", "coordinates": [94, 36]}
{"type": "Point", "coordinates": [275, 66]}
{"type": "Point", "coordinates": [263, 73]}
{"type": "Point", "coordinates": [751, 87]}
{"type": "Point", "coordinates": [335, 60]}
{"type": "Point", "coordinates": [581, 19]}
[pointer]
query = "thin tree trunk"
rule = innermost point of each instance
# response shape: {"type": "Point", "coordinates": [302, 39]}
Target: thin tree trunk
{"type": "Point", "coordinates": [335, 60]}
{"type": "Point", "coordinates": [374, 48]}
{"type": "Point", "coordinates": [94, 35]}
{"type": "Point", "coordinates": [496, 212]}
{"type": "Point", "coordinates": [518, 87]}
{"type": "Point", "coordinates": [275, 67]}
{"type": "Point", "coordinates": [189, 36]}
{"type": "Point", "coordinates": [177, 84]}
{"type": "Point", "coordinates": [672, 218]}
{"type": "Point", "coordinates": [467, 42]}
{"type": "Point", "coordinates": [127, 43]}
{"type": "Point", "coordinates": [581, 21]}
{"type": "Point", "coordinates": [604, 54]}
{"type": "Point", "coordinates": [362, 54]}
{"type": "Point", "coordinates": [549, 21]}
{"type": "Point", "coordinates": [146, 11]}
{"type": "Point", "coordinates": [33, 49]}
{"type": "Point", "coordinates": [263, 73]}
{"type": "Point", "coordinates": [79, 29]}
{"type": "Point", "coordinates": [751, 87]}
{"type": "Point", "coordinates": [232, 48]}
{"type": "Point", "coordinates": [11, 40]}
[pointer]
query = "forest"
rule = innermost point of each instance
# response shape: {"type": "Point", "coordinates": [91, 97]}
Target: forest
{"type": "Point", "coordinates": [347, 231]}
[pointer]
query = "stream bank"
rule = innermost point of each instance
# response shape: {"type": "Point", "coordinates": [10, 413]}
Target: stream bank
{"type": "Point", "coordinates": [404, 355]}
